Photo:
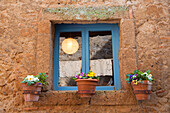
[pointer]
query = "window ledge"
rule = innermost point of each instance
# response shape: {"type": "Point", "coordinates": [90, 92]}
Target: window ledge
{"type": "Point", "coordinates": [72, 98]}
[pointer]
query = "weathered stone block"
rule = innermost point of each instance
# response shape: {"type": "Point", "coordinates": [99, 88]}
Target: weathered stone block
{"type": "Point", "coordinates": [44, 27]}
{"type": "Point", "coordinates": [121, 98]}
{"type": "Point", "coordinates": [127, 109]}
{"type": "Point", "coordinates": [28, 32]}
{"type": "Point", "coordinates": [129, 65]}
{"type": "Point", "coordinates": [2, 82]}
{"type": "Point", "coordinates": [127, 33]}
{"type": "Point", "coordinates": [154, 12]}
{"type": "Point", "coordinates": [140, 13]}
{"type": "Point", "coordinates": [128, 53]}
{"type": "Point", "coordinates": [104, 98]}
{"type": "Point", "coordinates": [43, 53]}
{"type": "Point", "coordinates": [61, 98]}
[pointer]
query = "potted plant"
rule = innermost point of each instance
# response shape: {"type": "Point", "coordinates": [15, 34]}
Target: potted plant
{"type": "Point", "coordinates": [141, 84]}
{"type": "Point", "coordinates": [86, 83]}
{"type": "Point", "coordinates": [32, 86]}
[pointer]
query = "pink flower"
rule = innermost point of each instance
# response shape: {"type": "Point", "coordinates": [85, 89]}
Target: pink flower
{"type": "Point", "coordinates": [80, 76]}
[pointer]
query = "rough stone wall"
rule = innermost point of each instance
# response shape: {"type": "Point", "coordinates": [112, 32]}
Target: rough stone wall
{"type": "Point", "coordinates": [153, 47]}
{"type": "Point", "coordinates": [26, 48]}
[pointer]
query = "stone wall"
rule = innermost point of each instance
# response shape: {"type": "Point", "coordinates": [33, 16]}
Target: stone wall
{"type": "Point", "coordinates": [26, 47]}
{"type": "Point", "coordinates": [153, 47]}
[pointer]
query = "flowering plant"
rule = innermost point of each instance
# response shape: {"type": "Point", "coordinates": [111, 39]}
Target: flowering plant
{"type": "Point", "coordinates": [42, 78]}
{"type": "Point", "coordinates": [139, 76]}
{"type": "Point", "coordinates": [89, 75]}
{"type": "Point", "coordinates": [30, 79]}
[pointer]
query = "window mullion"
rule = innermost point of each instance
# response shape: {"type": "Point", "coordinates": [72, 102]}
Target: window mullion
{"type": "Point", "coordinates": [83, 51]}
{"type": "Point", "coordinates": [87, 50]}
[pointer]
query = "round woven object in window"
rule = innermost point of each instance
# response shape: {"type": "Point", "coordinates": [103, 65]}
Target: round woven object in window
{"type": "Point", "coordinates": [70, 46]}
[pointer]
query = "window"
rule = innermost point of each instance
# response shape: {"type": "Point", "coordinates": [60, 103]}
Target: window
{"type": "Point", "coordinates": [98, 46]}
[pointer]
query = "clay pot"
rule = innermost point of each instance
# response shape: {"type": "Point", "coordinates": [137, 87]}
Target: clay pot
{"type": "Point", "coordinates": [32, 92]}
{"type": "Point", "coordinates": [86, 87]}
{"type": "Point", "coordinates": [142, 91]}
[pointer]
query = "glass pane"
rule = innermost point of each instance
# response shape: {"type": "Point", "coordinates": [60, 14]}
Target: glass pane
{"type": "Point", "coordinates": [101, 59]}
{"type": "Point", "coordinates": [69, 64]}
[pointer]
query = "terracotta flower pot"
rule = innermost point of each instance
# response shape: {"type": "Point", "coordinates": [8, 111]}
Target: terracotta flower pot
{"type": "Point", "coordinates": [142, 91]}
{"type": "Point", "coordinates": [86, 87]}
{"type": "Point", "coordinates": [32, 92]}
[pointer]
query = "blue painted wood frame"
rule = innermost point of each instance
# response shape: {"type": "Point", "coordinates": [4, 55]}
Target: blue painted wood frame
{"type": "Point", "coordinates": [84, 29]}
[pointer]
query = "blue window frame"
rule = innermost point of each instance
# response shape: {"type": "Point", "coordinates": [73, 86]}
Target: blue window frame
{"type": "Point", "coordinates": [84, 29]}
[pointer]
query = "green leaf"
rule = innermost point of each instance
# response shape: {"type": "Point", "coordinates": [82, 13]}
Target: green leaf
{"type": "Point", "coordinates": [32, 82]}
{"type": "Point", "coordinates": [148, 71]}
{"type": "Point", "coordinates": [22, 81]}
{"type": "Point", "coordinates": [140, 72]}
{"type": "Point", "coordinates": [89, 72]}
{"type": "Point", "coordinates": [136, 71]}
{"type": "Point", "coordinates": [128, 75]}
{"type": "Point", "coordinates": [74, 78]}
{"type": "Point", "coordinates": [127, 79]}
{"type": "Point", "coordinates": [28, 83]}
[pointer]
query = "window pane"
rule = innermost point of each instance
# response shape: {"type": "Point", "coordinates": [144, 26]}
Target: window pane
{"type": "Point", "coordinates": [101, 58]}
{"type": "Point", "coordinates": [69, 64]}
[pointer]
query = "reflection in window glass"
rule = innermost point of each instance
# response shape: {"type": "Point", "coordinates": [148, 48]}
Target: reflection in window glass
{"type": "Point", "coordinates": [101, 59]}
{"type": "Point", "coordinates": [69, 64]}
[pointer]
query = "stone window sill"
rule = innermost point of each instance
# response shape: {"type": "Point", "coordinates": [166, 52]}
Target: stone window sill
{"type": "Point", "coordinates": [52, 98]}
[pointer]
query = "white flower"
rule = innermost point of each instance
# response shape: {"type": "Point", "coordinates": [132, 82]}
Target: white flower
{"type": "Point", "coordinates": [145, 74]}
{"type": "Point", "coordinates": [109, 9]}
{"type": "Point", "coordinates": [82, 12]}
{"type": "Point", "coordinates": [36, 79]}
{"type": "Point", "coordinates": [31, 78]}
{"type": "Point", "coordinates": [149, 76]}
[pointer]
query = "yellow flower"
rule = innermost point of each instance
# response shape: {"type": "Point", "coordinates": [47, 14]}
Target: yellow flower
{"type": "Point", "coordinates": [135, 82]}
{"type": "Point", "coordinates": [91, 74]}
